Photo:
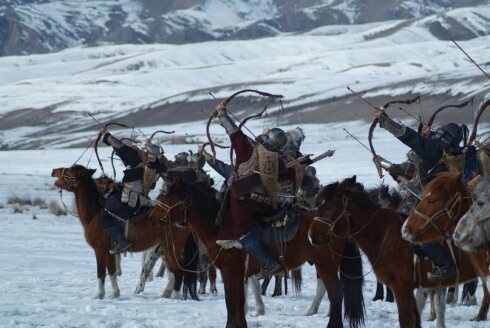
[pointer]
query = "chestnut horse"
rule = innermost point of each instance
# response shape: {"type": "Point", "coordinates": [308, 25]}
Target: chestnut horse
{"type": "Point", "coordinates": [344, 210]}
{"type": "Point", "coordinates": [196, 206]}
{"type": "Point", "coordinates": [445, 200]}
{"type": "Point", "coordinates": [143, 233]}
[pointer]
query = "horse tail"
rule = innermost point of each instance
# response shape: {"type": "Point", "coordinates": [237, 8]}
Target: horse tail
{"type": "Point", "coordinates": [297, 278]}
{"type": "Point", "coordinates": [352, 280]}
{"type": "Point", "coordinates": [190, 268]}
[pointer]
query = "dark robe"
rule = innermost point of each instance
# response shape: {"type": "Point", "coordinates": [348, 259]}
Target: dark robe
{"type": "Point", "coordinates": [240, 214]}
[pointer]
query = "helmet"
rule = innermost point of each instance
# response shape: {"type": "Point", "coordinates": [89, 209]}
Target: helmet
{"type": "Point", "coordinates": [311, 171]}
{"type": "Point", "coordinates": [274, 139]}
{"type": "Point", "coordinates": [197, 160]}
{"type": "Point", "coordinates": [153, 152]}
{"type": "Point", "coordinates": [181, 159]}
{"type": "Point", "coordinates": [449, 136]}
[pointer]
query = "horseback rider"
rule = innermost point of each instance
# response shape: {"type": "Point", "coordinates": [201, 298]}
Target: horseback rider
{"type": "Point", "coordinates": [259, 174]}
{"type": "Point", "coordinates": [437, 152]}
{"type": "Point", "coordinates": [143, 168]}
{"type": "Point", "coordinates": [483, 157]}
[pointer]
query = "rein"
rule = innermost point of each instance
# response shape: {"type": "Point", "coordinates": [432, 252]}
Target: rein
{"type": "Point", "coordinates": [345, 214]}
{"type": "Point", "coordinates": [449, 210]}
{"type": "Point", "coordinates": [185, 203]}
{"type": "Point", "coordinates": [67, 183]}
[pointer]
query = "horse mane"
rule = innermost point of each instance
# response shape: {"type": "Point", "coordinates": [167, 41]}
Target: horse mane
{"type": "Point", "coordinates": [204, 200]}
{"type": "Point", "coordinates": [441, 180]}
{"type": "Point", "coordinates": [325, 193]}
{"type": "Point", "coordinates": [93, 194]}
{"type": "Point", "coordinates": [392, 196]}
{"type": "Point", "coordinates": [351, 189]}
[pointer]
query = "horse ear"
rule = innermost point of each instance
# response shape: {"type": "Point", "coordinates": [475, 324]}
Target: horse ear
{"type": "Point", "coordinates": [91, 171]}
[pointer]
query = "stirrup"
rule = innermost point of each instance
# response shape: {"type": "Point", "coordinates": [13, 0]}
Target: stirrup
{"type": "Point", "coordinates": [119, 248]}
{"type": "Point", "coordinates": [440, 274]}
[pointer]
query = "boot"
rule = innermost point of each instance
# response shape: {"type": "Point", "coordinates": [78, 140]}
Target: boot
{"type": "Point", "coordinates": [258, 252]}
{"type": "Point", "coordinates": [117, 236]}
{"type": "Point", "coordinates": [444, 267]}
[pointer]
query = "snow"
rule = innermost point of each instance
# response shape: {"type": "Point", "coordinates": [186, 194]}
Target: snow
{"type": "Point", "coordinates": [48, 272]}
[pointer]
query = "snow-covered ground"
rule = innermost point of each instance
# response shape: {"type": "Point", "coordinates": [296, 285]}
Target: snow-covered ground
{"type": "Point", "coordinates": [48, 273]}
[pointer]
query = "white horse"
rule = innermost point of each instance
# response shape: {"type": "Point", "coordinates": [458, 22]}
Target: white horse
{"type": "Point", "coordinates": [473, 229]}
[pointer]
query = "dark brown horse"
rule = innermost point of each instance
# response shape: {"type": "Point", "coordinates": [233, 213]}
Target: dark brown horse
{"type": "Point", "coordinates": [195, 205]}
{"type": "Point", "coordinates": [346, 210]}
{"type": "Point", "coordinates": [445, 200]}
{"type": "Point", "coordinates": [143, 233]}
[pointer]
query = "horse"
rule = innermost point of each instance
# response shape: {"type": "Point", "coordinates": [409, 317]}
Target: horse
{"type": "Point", "coordinates": [196, 206]}
{"type": "Point", "coordinates": [344, 210]}
{"type": "Point", "coordinates": [444, 201]}
{"type": "Point", "coordinates": [143, 233]}
{"type": "Point", "coordinates": [472, 232]}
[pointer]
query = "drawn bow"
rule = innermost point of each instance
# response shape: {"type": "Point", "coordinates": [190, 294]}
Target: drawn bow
{"type": "Point", "coordinates": [433, 116]}
{"type": "Point", "coordinates": [476, 120]}
{"type": "Point", "coordinates": [376, 158]}
{"type": "Point", "coordinates": [99, 136]}
{"type": "Point", "coordinates": [242, 123]}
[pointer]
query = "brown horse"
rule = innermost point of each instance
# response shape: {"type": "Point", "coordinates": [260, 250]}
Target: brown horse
{"type": "Point", "coordinates": [143, 233]}
{"type": "Point", "coordinates": [196, 205]}
{"type": "Point", "coordinates": [445, 200]}
{"type": "Point", "coordinates": [346, 210]}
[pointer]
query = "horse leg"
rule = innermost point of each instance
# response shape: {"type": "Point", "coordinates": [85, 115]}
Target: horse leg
{"type": "Point", "coordinates": [265, 284]}
{"type": "Point", "coordinates": [168, 291]}
{"type": "Point", "coordinates": [118, 264]}
{"type": "Point", "coordinates": [233, 282]}
{"type": "Point", "coordinates": [203, 273]}
{"type": "Point", "coordinates": [179, 277]}
{"type": "Point", "coordinates": [212, 279]}
{"type": "Point", "coordinates": [277, 286]}
{"type": "Point", "coordinates": [256, 291]}
{"type": "Point", "coordinates": [150, 258]}
{"type": "Point", "coordinates": [408, 314]}
{"type": "Point", "coordinates": [450, 296]}
{"type": "Point", "coordinates": [440, 304]}
{"type": "Point", "coordinates": [101, 258]}
{"type": "Point", "coordinates": [320, 292]}
{"type": "Point", "coordinates": [144, 257]}
{"type": "Point", "coordinates": [469, 290]}
{"type": "Point", "coordinates": [389, 295]}
{"type": "Point", "coordinates": [334, 292]}
{"type": "Point", "coordinates": [112, 270]}
{"type": "Point", "coordinates": [482, 314]}
{"type": "Point", "coordinates": [161, 270]}
{"type": "Point", "coordinates": [379, 295]}
{"type": "Point", "coordinates": [432, 314]}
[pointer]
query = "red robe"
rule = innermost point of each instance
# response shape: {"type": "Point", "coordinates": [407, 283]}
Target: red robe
{"type": "Point", "coordinates": [239, 217]}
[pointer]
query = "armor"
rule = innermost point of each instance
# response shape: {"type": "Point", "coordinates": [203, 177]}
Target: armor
{"type": "Point", "coordinates": [227, 122]}
{"type": "Point", "coordinates": [152, 152]}
{"type": "Point", "coordinates": [391, 126]}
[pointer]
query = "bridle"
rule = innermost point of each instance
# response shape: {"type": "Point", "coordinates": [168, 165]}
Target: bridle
{"type": "Point", "coordinates": [449, 210]}
{"type": "Point", "coordinates": [165, 218]}
{"type": "Point", "coordinates": [68, 181]}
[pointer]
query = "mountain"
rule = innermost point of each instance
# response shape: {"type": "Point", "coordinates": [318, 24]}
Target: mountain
{"type": "Point", "coordinates": [43, 26]}
{"type": "Point", "coordinates": [45, 98]}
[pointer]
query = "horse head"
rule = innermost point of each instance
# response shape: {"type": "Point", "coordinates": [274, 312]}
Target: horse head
{"type": "Point", "coordinates": [473, 230]}
{"type": "Point", "coordinates": [331, 216]}
{"type": "Point", "coordinates": [171, 206]}
{"type": "Point", "coordinates": [68, 178]}
{"type": "Point", "coordinates": [445, 199]}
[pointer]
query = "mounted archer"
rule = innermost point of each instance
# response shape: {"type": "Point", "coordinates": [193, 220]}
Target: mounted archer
{"type": "Point", "coordinates": [143, 168]}
{"type": "Point", "coordinates": [262, 184]}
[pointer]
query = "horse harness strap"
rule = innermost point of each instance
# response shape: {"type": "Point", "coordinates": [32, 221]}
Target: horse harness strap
{"type": "Point", "coordinates": [477, 221]}
{"type": "Point", "coordinates": [454, 201]}
{"type": "Point", "coordinates": [181, 203]}
{"type": "Point", "coordinates": [68, 181]}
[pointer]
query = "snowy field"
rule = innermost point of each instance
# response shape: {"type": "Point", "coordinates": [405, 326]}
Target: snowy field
{"type": "Point", "coordinates": [48, 272]}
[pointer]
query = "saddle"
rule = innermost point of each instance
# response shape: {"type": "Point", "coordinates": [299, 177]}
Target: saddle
{"type": "Point", "coordinates": [269, 233]}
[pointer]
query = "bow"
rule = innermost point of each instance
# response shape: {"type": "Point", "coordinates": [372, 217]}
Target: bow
{"type": "Point", "coordinates": [376, 158]}
{"type": "Point", "coordinates": [225, 103]}
{"type": "Point", "coordinates": [475, 121]}
{"type": "Point", "coordinates": [433, 116]}
{"type": "Point", "coordinates": [99, 136]}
